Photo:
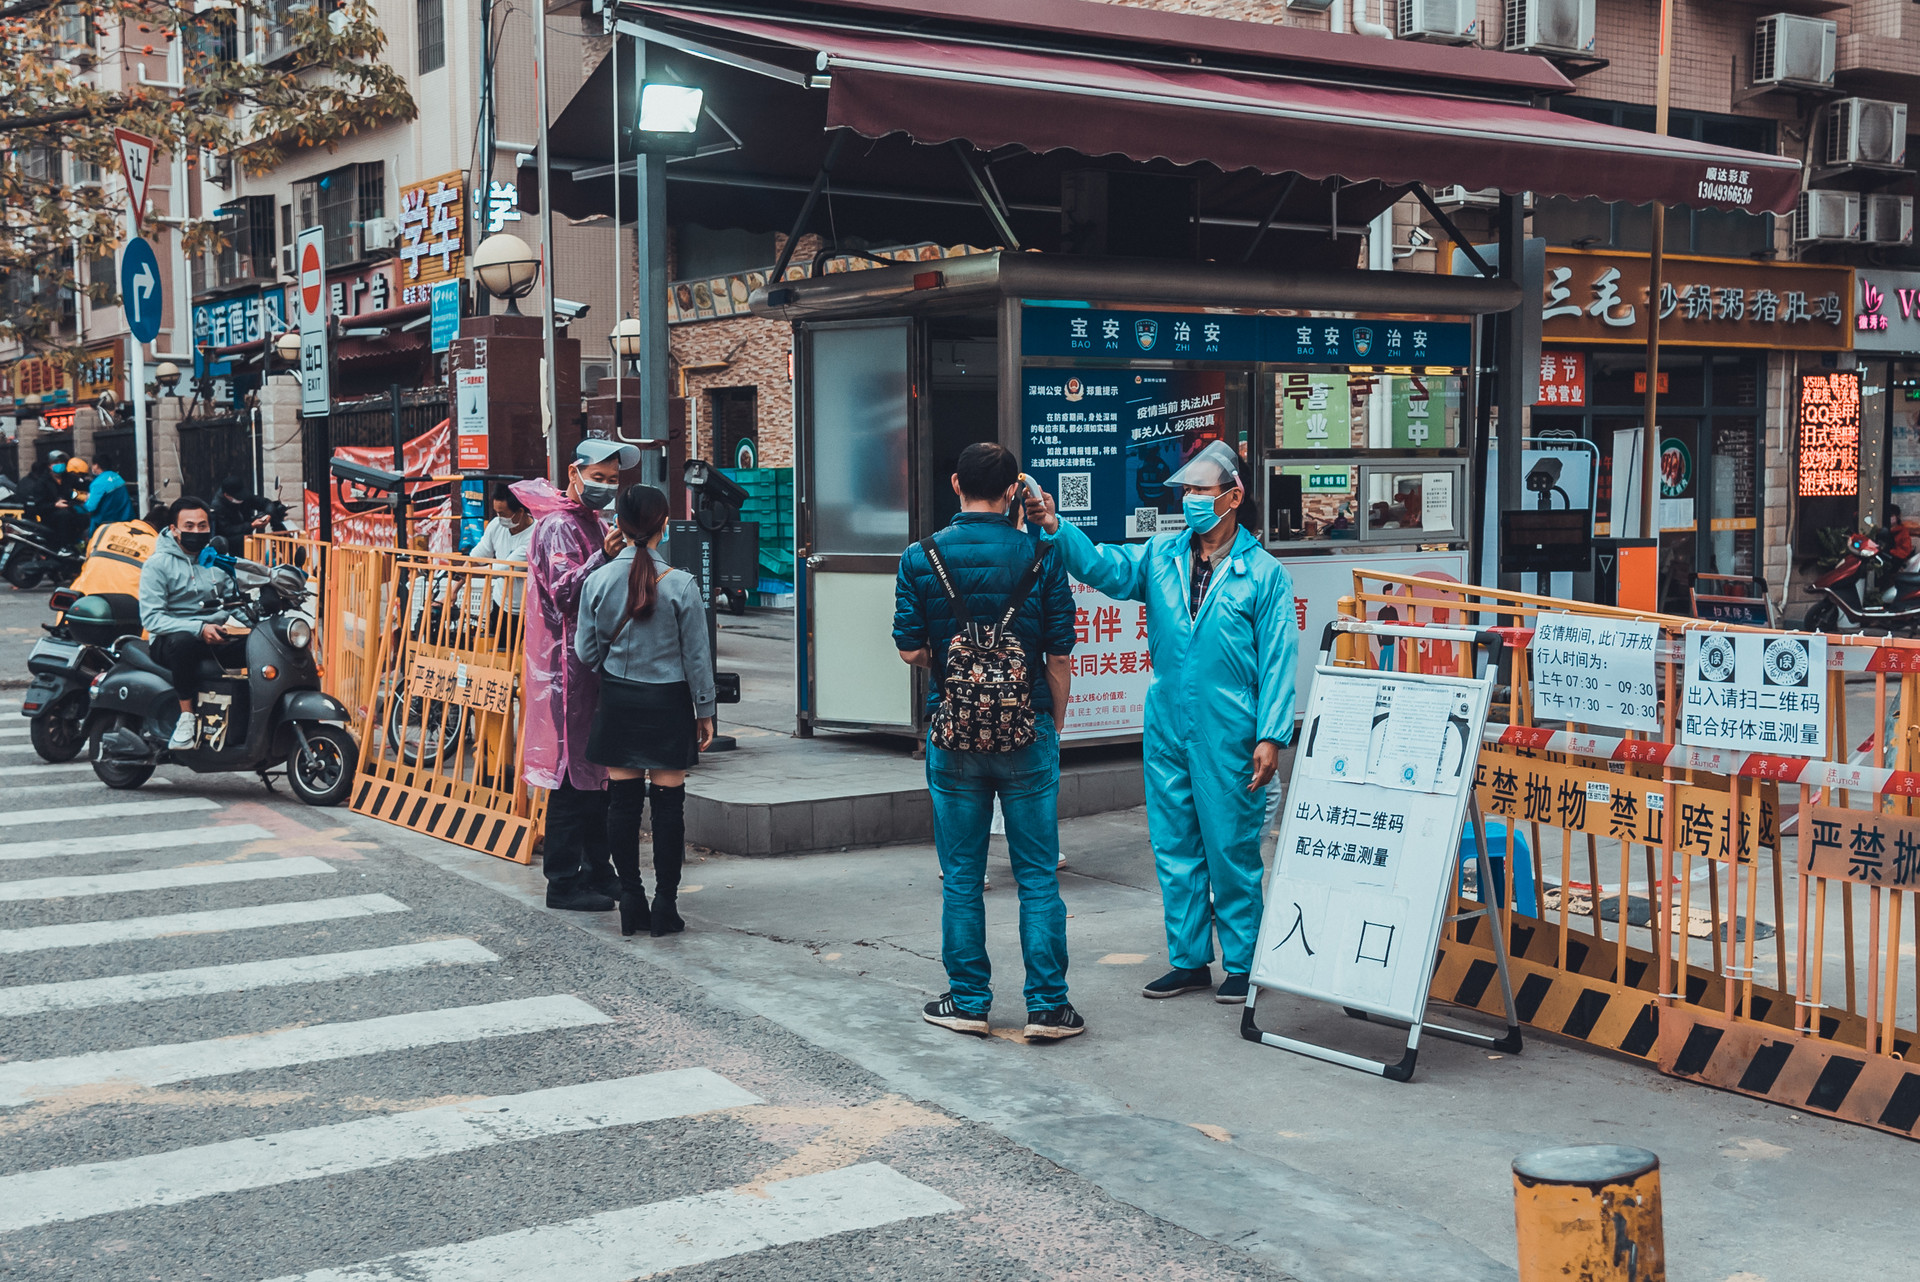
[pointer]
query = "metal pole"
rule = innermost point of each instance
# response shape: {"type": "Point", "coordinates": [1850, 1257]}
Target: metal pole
{"type": "Point", "coordinates": [651, 255]}
{"type": "Point", "coordinates": [619, 268]}
{"type": "Point", "coordinates": [549, 385]}
{"type": "Point", "coordinates": [137, 376]}
{"type": "Point", "coordinates": [400, 466]}
{"type": "Point", "coordinates": [1650, 431]}
{"type": "Point", "coordinates": [1509, 380]}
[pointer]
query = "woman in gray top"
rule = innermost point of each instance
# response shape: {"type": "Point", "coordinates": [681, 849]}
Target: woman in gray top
{"type": "Point", "coordinates": [644, 627]}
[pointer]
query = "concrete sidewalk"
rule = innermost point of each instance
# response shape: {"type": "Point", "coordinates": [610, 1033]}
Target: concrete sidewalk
{"type": "Point", "coordinates": [1327, 1173]}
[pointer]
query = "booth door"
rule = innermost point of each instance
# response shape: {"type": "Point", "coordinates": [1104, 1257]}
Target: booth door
{"type": "Point", "coordinates": [855, 498]}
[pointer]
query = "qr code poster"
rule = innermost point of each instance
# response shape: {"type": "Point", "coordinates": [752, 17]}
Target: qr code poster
{"type": "Point", "coordinates": [1756, 692]}
{"type": "Point", "coordinates": [1076, 492]}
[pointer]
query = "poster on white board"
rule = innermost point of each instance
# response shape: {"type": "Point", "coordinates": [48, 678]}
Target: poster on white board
{"type": "Point", "coordinates": [1369, 837]}
{"type": "Point", "coordinates": [1320, 581]}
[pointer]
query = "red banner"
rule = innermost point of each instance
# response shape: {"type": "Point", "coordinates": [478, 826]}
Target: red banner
{"type": "Point", "coordinates": [364, 518]}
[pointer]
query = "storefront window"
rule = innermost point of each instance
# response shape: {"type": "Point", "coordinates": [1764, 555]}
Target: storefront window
{"type": "Point", "coordinates": [1360, 410]}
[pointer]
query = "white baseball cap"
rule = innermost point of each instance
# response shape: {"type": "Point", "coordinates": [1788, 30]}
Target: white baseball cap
{"type": "Point", "coordinates": [598, 449]}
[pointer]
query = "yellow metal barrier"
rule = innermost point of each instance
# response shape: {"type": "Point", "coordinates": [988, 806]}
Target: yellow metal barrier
{"type": "Point", "coordinates": [442, 747]}
{"type": "Point", "coordinates": [1671, 974]}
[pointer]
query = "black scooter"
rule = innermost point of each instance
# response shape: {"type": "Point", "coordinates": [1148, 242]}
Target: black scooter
{"type": "Point", "coordinates": [65, 662]}
{"type": "Point", "coordinates": [272, 713]}
{"type": "Point", "coordinates": [30, 552]}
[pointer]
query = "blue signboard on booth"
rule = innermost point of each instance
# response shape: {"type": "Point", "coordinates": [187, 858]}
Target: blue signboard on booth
{"type": "Point", "coordinates": [141, 295]}
{"type": "Point", "coordinates": [1210, 336]}
{"type": "Point", "coordinates": [446, 314]}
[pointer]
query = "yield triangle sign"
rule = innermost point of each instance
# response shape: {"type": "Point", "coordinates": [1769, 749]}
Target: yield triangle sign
{"type": "Point", "coordinates": [136, 162]}
{"type": "Point", "coordinates": [1606, 563]}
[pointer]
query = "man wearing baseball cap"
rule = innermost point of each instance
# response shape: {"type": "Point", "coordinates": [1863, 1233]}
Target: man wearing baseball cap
{"type": "Point", "coordinates": [1220, 628]}
{"type": "Point", "coordinates": [568, 543]}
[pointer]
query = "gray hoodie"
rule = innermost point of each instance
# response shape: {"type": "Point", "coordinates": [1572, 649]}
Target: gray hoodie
{"type": "Point", "coordinates": [176, 593]}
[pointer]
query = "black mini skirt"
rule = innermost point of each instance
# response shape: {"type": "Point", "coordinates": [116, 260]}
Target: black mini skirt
{"type": "Point", "coordinates": [643, 725]}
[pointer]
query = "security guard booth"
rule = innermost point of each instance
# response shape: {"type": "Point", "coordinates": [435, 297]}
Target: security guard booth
{"type": "Point", "coordinates": [1348, 396]}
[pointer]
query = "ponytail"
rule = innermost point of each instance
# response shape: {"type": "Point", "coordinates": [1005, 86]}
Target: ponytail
{"type": "Point", "coordinates": [642, 514]}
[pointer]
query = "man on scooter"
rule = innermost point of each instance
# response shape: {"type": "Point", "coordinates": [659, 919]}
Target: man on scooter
{"type": "Point", "coordinates": [180, 609]}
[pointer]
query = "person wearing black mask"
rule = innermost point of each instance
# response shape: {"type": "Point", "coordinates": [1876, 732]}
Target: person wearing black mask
{"type": "Point", "coordinates": [238, 513]}
{"type": "Point", "coordinates": [180, 595]}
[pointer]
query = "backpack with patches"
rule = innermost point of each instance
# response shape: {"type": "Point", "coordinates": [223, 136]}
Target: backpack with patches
{"type": "Point", "coordinates": [986, 688]}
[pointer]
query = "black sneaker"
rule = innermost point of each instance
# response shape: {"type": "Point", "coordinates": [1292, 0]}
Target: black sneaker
{"type": "Point", "coordinates": [577, 898]}
{"type": "Point", "coordinates": [1232, 990]}
{"type": "Point", "coordinates": [1053, 1025]}
{"type": "Point", "coordinates": [944, 1013]}
{"type": "Point", "coordinates": [1180, 980]}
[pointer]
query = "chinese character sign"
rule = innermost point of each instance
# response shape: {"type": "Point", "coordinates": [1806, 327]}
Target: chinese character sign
{"type": "Point", "coordinates": [1316, 411]}
{"type": "Point", "coordinates": [432, 235]}
{"type": "Point", "coordinates": [1112, 667]}
{"type": "Point", "coordinates": [1865, 846]}
{"type": "Point", "coordinates": [1756, 692]}
{"type": "Point", "coordinates": [1591, 671]}
{"type": "Point", "coordinates": [1602, 296]}
{"type": "Point", "coordinates": [1830, 434]}
{"type": "Point", "coordinates": [1168, 417]}
{"type": "Point", "coordinates": [1073, 445]}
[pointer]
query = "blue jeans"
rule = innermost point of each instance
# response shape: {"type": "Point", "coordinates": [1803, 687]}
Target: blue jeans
{"type": "Point", "coordinates": [963, 785]}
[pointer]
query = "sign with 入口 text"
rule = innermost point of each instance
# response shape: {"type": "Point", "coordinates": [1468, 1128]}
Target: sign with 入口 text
{"type": "Point", "coordinates": [1755, 692]}
{"type": "Point", "coordinates": [1600, 296]}
{"type": "Point", "coordinates": [1865, 846]}
{"type": "Point", "coordinates": [1830, 434]}
{"type": "Point", "coordinates": [1592, 671]}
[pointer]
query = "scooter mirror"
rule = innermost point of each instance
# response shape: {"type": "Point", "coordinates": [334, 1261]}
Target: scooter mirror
{"type": "Point", "coordinates": [289, 581]}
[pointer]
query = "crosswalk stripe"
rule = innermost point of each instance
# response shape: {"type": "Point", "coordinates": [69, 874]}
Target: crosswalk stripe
{"type": "Point", "coordinates": [641, 1241]}
{"type": "Point", "coordinates": [112, 810]}
{"type": "Point", "coordinates": [46, 768]}
{"type": "Point", "coordinates": [98, 789]}
{"type": "Point", "coordinates": [24, 1081]}
{"type": "Point", "coordinates": [199, 981]}
{"type": "Point", "coordinates": [115, 883]}
{"type": "Point", "coordinates": [9, 729]}
{"type": "Point", "coordinates": [132, 842]}
{"type": "Point", "coordinates": [85, 934]}
{"type": "Point", "coordinates": [69, 1193]}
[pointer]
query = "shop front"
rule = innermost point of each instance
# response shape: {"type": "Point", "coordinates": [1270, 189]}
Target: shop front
{"type": "Point", "coordinates": [1886, 341]}
{"type": "Point", "coordinates": [1731, 330]}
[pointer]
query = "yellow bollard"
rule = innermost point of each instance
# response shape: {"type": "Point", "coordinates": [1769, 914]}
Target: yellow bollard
{"type": "Point", "coordinates": [1589, 1214]}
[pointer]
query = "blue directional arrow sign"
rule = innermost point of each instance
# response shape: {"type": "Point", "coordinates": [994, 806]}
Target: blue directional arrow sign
{"type": "Point", "coordinates": [140, 293]}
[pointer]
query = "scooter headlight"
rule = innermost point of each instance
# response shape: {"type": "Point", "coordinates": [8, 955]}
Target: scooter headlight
{"type": "Point", "coordinates": [299, 633]}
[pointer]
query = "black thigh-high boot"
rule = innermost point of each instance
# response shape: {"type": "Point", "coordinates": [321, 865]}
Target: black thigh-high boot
{"type": "Point", "coordinates": [669, 853]}
{"type": "Point", "coordinates": [626, 798]}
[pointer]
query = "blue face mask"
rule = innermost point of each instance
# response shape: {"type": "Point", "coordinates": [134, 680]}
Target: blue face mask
{"type": "Point", "coordinates": [1199, 512]}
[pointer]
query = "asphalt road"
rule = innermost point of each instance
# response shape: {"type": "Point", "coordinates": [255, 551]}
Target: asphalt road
{"type": "Point", "coordinates": [245, 1040]}
{"type": "Point", "coordinates": [21, 614]}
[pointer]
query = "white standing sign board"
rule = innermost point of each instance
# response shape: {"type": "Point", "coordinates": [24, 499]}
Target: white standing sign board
{"type": "Point", "coordinates": [1594, 671]}
{"type": "Point", "coordinates": [310, 305]}
{"type": "Point", "coordinates": [1756, 692]}
{"type": "Point", "coordinates": [1367, 859]}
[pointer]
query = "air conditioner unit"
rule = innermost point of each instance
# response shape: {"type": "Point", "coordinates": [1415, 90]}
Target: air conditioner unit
{"type": "Point", "coordinates": [286, 260]}
{"type": "Point", "coordinates": [1866, 132]}
{"type": "Point", "coordinates": [379, 233]}
{"type": "Point", "coordinates": [1458, 197]}
{"type": "Point", "coordinates": [1549, 26]}
{"type": "Point", "coordinates": [1441, 21]}
{"type": "Point", "coordinates": [1827, 216]}
{"type": "Point", "coordinates": [218, 169]}
{"type": "Point", "coordinates": [1887, 220]}
{"type": "Point", "coordinates": [1789, 49]}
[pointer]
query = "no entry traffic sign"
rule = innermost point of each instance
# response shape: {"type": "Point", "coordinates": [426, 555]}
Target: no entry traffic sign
{"type": "Point", "coordinates": [311, 305]}
{"type": "Point", "coordinates": [141, 295]}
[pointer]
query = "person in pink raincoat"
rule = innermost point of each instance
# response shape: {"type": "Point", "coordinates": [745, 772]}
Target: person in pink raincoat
{"type": "Point", "coordinates": [558, 691]}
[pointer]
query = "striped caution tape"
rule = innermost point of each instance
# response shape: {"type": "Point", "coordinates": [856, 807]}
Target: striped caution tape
{"type": "Point", "coordinates": [1720, 761]}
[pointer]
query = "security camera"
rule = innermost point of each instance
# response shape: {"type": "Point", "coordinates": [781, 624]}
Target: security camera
{"type": "Point", "coordinates": [707, 481]}
{"type": "Point", "coordinates": [372, 478]}
{"type": "Point", "coordinates": [1418, 238]}
{"type": "Point", "coordinates": [565, 309]}
{"type": "Point", "coordinates": [1544, 475]}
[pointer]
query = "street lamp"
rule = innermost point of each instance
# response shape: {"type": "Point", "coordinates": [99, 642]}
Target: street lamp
{"type": "Point", "coordinates": [628, 342]}
{"type": "Point", "coordinates": [167, 374]}
{"type": "Point", "coordinates": [30, 405]}
{"type": "Point", "coordinates": [669, 118]}
{"type": "Point", "coordinates": [287, 347]}
{"type": "Point", "coordinates": [506, 268]}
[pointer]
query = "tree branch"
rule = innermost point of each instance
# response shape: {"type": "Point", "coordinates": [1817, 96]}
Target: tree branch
{"type": "Point", "coordinates": [111, 107]}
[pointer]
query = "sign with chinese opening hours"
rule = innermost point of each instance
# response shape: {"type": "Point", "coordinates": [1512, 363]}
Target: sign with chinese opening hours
{"type": "Point", "coordinates": [1830, 434]}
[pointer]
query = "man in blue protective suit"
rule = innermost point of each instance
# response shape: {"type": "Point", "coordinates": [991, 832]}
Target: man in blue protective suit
{"type": "Point", "coordinates": [1220, 629]}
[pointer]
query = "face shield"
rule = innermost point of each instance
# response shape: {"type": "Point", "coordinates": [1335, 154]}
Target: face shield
{"type": "Point", "coordinates": [1214, 465]}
